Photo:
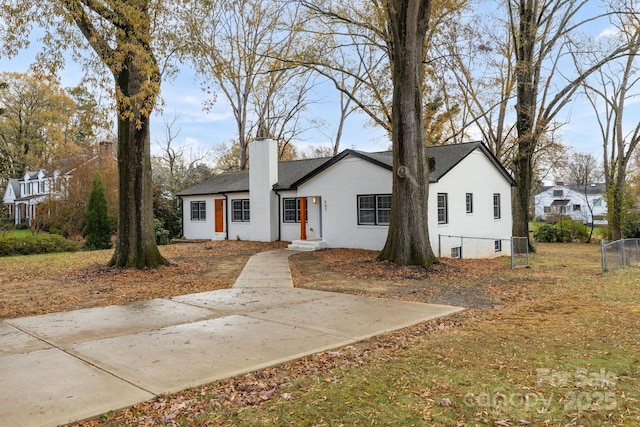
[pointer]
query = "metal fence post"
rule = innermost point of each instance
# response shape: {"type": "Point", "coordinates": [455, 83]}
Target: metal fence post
{"type": "Point", "coordinates": [513, 259]}
{"type": "Point", "coordinates": [603, 255]}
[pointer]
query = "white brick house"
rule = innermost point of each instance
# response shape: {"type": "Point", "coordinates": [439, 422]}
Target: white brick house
{"type": "Point", "coordinates": [345, 201]}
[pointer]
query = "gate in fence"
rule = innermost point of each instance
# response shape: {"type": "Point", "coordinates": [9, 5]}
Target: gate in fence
{"type": "Point", "coordinates": [519, 252]}
{"type": "Point", "coordinates": [620, 254]}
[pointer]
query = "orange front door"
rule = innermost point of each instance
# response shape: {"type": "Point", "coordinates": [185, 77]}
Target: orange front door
{"type": "Point", "coordinates": [219, 211]}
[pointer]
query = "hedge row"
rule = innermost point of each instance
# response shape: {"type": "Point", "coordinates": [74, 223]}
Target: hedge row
{"type": "Point", "coordinates": [12, 244]}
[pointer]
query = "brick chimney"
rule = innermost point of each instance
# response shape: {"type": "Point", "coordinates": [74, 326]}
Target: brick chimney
{"type": "Point", "coordinates": [106, 148]}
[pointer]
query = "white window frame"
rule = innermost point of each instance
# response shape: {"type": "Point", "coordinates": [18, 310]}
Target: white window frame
{"type": "Point", "coordinates": [443, 208]}
{"type": "Point", "coordinates": [456, 252]}
{"type": "Point", "coordinates": [469, 202]}
{"type": "Point", "coordinates": [497, 208]}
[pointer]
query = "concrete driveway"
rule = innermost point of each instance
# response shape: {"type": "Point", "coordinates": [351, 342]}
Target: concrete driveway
{"type": "Point", "coordinates": [64, 367]}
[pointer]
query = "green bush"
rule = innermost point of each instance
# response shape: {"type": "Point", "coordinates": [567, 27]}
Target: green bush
{"type": "Point", "coordinates": [571, 231]}
{"type": "Point", "coordinates": [55, 230]}
{"type": "Point", "coordinates": [546, 233]}
{"type": "Point", "coordinates": [564, 231]}
{"type": "Point", "coordinates": [98, 227]}
{"type": "Point", "coordinates": [162, 234]}
{"type": "Point", "coordinates": [631, 224]}
{"type": "Point", "coordinates": [25, 244]}
{"type": "Point", "coordinates": [22, 226]}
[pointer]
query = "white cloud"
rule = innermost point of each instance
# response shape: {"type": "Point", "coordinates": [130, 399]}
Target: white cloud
{"type": "Point", "coordinates": [609, 32]}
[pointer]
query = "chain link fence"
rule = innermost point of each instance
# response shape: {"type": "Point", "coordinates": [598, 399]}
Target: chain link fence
{"type": "Point", "coordinates": [519, 252]}
{"type": "Point", "coordinates": [620, 254]}
{"type": "Point", "coordinates": [484, 247]}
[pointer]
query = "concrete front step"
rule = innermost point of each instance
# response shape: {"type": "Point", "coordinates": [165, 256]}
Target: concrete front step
{"type": "Point", "coordinates": [308, 245]}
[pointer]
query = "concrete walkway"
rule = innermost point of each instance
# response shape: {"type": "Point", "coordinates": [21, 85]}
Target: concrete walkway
{"type": "Point", "coordinates": [64, 367]}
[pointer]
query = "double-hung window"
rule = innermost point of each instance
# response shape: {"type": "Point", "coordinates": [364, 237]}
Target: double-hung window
{"type": "Point", "coordinates": [198, 211]}
{"type": "Point", "coordinates": [240, 210]}
{"type": "Point", "coordinates": [291, 210]}
{"type": "Point", "coordinates": [496, 205]}
{"type": "Point", "coordinates": [443, 208]}
{"type": "Point", "coordinates": [374, 209]}
{"type": "Point", "coordinates": [469, 202]}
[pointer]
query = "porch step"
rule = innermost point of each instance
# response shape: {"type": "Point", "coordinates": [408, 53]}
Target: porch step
{"type": "Point", "coordinates": [308, 245]}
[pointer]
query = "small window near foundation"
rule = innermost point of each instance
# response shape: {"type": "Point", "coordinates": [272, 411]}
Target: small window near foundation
{"type": "Point", "coordinates": [456, 252]}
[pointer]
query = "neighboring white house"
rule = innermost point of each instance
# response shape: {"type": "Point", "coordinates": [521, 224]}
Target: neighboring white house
{"type": "Point", "coordinates": [345, 201]}
{"type": "Point", "coordinates": [586, 204]}
{"type": "Point", "coordinates": [23, 195]}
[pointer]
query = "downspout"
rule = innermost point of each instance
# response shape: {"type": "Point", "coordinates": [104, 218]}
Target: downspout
{"type": "Point", "coordinates": [181, 216]}
{"type": "Point", "coordinates": [279, 213]}
{"type": "Point", "coordinates": [226, 216]}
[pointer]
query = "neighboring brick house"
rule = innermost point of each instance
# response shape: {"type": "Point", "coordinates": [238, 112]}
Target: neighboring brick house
{"type": "Point", "coordinates": [586, 204]}
{"type": "Point", "coordinates": [23, 195]}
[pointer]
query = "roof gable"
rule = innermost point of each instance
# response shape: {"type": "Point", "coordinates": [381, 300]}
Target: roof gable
{"type": "Point", "coordinates": [12, 191]}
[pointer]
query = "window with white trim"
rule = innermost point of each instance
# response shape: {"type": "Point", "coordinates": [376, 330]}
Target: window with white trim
{"type": "Point", "coordinates": [469, 202]}
{"type": "Point", "coordinates": [374, 209]}
{"type": "Point", "coordinates": [240, 210]}
{"type": "Point", "coordinates": [443, 208]}
{"type": "Point", "coordinates": [497, 245]}
{"type": "Point", "coordinates": [456, 252]}
{"type": "Point", "coordinates": [496, 206]}
{"type": "Point", "coordinates": [199, 211]}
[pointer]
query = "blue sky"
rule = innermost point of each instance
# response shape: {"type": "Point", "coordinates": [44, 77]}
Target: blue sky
{"type": "Point", "coordinates": [202, 130]}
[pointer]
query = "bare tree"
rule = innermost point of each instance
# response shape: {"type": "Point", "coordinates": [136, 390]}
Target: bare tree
{"type": "Point", "coordinates": [608, 92]}
{"type": "Point", "coordinates": [481, 71]}
{"type": "Point", "coordinates": [237, 48]}
{"type": "Point", "coordinates": [349, 46]}
{"type": "Point", "coordinates": [583, 173]}
{"type": "Point", "coordinates": [540, 32]}
{"type": "Point", "coordinates": [174, 166]}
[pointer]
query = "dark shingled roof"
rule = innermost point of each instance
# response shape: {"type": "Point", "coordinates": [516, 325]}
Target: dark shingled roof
{"type": "Point", "coordinates": [238, 181]}
{"type": "Point", "coordinates": [227, 182]}
{"type": "Point", "coordinates": [293, 173]}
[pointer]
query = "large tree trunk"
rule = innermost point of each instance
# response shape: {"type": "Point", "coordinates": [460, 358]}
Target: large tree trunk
{"type": "Point", "coordinates": [136, 243]}
{"type": "Point", "coordinates": [527, 99]}
{"type": "Point", "coordinates": [521, 196]}
{"type": "Point", "coordinates": [408, 239]}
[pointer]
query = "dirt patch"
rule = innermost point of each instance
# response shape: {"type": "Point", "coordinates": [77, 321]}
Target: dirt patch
{"type": "Point", "coordinates": [452, 282]}
{"type": "Point", "coordinates": [33, 285]}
